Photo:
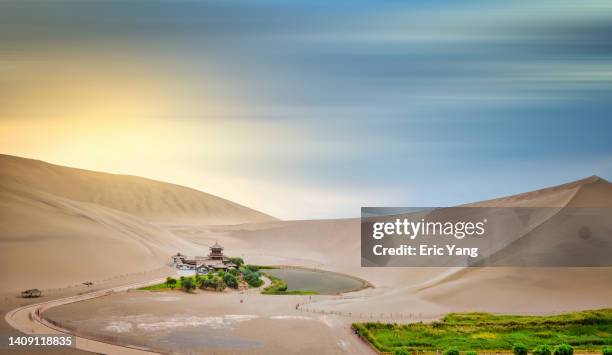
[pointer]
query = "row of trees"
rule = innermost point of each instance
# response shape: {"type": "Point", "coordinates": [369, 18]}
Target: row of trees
{"type": "Point", "coordinates": [520, 349]}
{"type": "Point", "coordinates": [220, 280]}
{"type": "Point", "coordinates": [561, 349]}
{"type": "Point", "coordinates": [217, 281]}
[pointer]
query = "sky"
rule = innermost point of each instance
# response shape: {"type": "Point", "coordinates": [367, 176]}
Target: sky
{"type": "Point", "coordinates": [312, 109]}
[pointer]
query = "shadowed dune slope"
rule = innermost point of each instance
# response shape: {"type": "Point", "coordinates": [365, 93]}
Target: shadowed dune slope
{"type": "Point", "coordinates": [149, 199]}
{"type": "Point", "coordinates": [63, 226]}
{"type": "Point", "coordinates": [594, 192]}
{"type": "Point", "coordinates": [48, 241]}
{"type": "Point", "coordinates": [532, 289]}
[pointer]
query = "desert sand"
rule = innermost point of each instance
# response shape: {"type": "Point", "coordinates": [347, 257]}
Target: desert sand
{"type": "Point", "coordinates": [64, 226]}
{"type": "Point", "coordinates": [145, 198]}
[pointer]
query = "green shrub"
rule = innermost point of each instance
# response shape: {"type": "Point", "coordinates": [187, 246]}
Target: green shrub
{"type": "Point", "coordinates": [278, 286]}
{"type": "Point", "coordinates": [230, 280]}
{"type": "Point", "coordinates": [519, 349]}
{"type": "Point", "coordinates": [253, 279]}
{"type": "Point", "coordinates": [249, 276]}
{"type": "Point", "coordinates": [471, 353]}
{"type": "Point", "coordinates": [188, 285]}
{"type": "Point", "coordinates": [206, 283]}
{"type": "Point", "coordinates": [606, 351]}
{"type": "Point", "coordinates": [170, 282]}
{"type": "Point", "coordinates": [237, 261]}
{"type": "Point", "coordinates": [451, 351]}
{"type": "Point", "coordinates": [564, 349]}
{"type": "Point", "coordinates": [401, 351]}
{"type": "Point", "coordinates": [542, 350]}
{"type": "Point", "coordinates": [215, 282]}
{"type": "Point", "coordinates": [220, 285]}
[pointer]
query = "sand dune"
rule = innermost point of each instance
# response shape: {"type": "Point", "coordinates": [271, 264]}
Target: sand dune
{"type": "Point", "coordinates": [335, 245]}
{"type": "Point", "coordinates": [149, 199]}
{"type": "Point", "coordinates": [534, 289]}
{"type": "Point", "coordinates": [48, 241]}
{"type": "Point", "coordinates": [558, 196]}
{"type": "Point", "coordinates": [63, 225]}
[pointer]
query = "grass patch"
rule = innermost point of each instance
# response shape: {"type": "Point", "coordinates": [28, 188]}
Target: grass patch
{"type": "Point", "coordinates": [156, 287]}
{"type": "Point", "coordinates": [279, 287]}
{"type": "Point", "coordinates": [164, 286]}
{"type": "Point", "coordinates": [262, 267]}
{"type": "Point", "coordinates": [298, 292]}
{"type": "Point", "coordinates": [587, 330]}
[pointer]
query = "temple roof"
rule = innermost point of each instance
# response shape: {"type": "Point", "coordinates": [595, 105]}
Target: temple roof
{"type": "Point", "coordinates": [216, 246]}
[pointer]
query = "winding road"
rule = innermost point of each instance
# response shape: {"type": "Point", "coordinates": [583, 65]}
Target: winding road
{"type": "Point", "coordinates": [27, 320]}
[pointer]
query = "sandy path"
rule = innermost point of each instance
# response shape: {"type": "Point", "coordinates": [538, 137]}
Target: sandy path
{"type": "Point", "coordinates": [27, 320]}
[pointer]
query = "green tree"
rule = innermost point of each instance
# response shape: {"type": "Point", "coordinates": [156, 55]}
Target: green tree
{"type": "Point", "coordinates": [402, 351]}
{"type": "Point", "coordinates": [219, 284]}
{"type": "Point", "coordinates": [542, 350]}
{"type": "Point", "coordinates": [230, 280]}
{"type": "Point", "coordinates": [170, 282]}
{"type": "Point", "coordinates": [606, 351]}
{"type": "Point", "coordinates": [188, 285]}
{"type": "Point", "coordinates": [237, 261]}
{"type": "Point", "coordinates": [206, 283]}
{"type": "Point", "coordinates": [564, 349]}
{"type": "Point", "coordinates": [451, 351]}
{"type": "Point", "coordinates": [519, 349]}
{"type": "Point", "coordinates": [253, 279]}
{"type": "Point", "coordinates": [471, 353]}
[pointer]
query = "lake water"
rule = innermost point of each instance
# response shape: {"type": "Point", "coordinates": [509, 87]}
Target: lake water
{"type": "Point", "coordinates": [207, 322]}
{"type": "Point", "coordinates": [318, 281]}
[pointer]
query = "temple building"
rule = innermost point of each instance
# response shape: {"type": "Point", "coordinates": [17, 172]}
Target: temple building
{"type": "Point", "coordinates": [216, 252]}
{"type": "Point", "coordinates": [214, 261]}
